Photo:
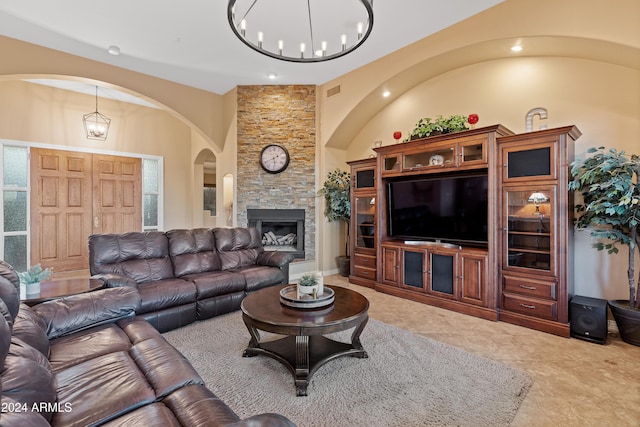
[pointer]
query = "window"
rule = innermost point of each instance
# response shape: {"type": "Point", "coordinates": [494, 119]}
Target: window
{"type": "Point", "coordinates": [151, 194]}
{"type": "Point", "coordinates": [15, 206]}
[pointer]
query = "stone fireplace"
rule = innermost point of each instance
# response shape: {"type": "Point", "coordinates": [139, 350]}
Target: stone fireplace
{"type": "Point", "coordinates": [281, 229]}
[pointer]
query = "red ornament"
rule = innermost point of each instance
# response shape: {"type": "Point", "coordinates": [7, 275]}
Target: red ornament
{"type": "Point", "coordinates": [397, 135]}
{"type": "Point", "coordinates": [473, 119]}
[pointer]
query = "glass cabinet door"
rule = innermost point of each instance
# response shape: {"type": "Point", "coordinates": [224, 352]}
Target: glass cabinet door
{"type": "Point", "coordinates": [365, 209]}
{"type": "Point", "coordinates": [529, 228]}
{"type": "Point", "coordinates": [438, 157]}
{"type": "Point", "coordinates": [365, 178]}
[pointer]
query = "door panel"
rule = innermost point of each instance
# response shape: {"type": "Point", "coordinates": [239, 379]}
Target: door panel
{"type": "Point", "coordinates": [117, 204]}
{"type": "Point", "coordinates": [60, 208]}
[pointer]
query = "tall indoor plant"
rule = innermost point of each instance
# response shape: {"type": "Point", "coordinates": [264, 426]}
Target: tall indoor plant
{"type": "Point", "coordinates": [337, 199]}
{"type": "Point", "coordinates": [608, 183]}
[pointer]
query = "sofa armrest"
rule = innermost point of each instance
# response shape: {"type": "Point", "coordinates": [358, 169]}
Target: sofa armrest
{"type": "Point", "coordinates": [113, 280]}
{"type": "Point", "coordinates": [274, 258]}
{"type": "Point", "coordinates": [264, 420]}
{"type": "Point", "coordinates": [77, 312]}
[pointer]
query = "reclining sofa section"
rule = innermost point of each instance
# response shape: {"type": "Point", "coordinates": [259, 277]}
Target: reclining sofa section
{"type": "Point", "coordinates": [187, 275]}
{"type": "Point", "coordinates": [85, 360]}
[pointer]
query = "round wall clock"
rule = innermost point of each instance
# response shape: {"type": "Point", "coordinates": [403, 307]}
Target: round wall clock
{"type": "Point", "coordinates": [274, 158]}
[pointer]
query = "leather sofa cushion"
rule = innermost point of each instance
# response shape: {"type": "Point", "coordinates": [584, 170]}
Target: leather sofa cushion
{"type": "Point", "coordinates": [77, 312]}
{"type": "Point", "coordinates": [197, 406]}
{"type": "Point", "coordinates": [233, 239]}
{"type": "Point", "coordinates": [238, 247]}
{"type": "Point", "coordinates": [258, 276]}
{"type": "Point", "coordinates": [9, 288]}
{"type": "Point", "coordinates": [21, 419]}
{"type": "Point", "coordinates": [31, 329]}
{"type": "Point", "coordinates": [156, 414]}
{"type": "Point", "coordinates": [216, 283]}
{"type": "Point", "coordinates": [142, 256]}
{"type": "Point", "coordinates": [154, 357]}
{"type": "Point", "coordinates": [27, 377]}
{"type": "Point", "coordinates": [100, 389]}
{"type": "Point", "coordinates": [165, 293]}
{"type": "Point", "coordinates": [74, 349]}
{"type": "Point", "coordinates": [5, 334]}
{"type": "Point", "coordinates": [193, 251]}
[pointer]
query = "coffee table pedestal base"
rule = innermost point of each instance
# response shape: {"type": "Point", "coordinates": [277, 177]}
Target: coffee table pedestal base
{"type": "Point", "coordinates": [303, 355]}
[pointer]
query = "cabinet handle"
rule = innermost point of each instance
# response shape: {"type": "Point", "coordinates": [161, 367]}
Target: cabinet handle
{"type": "Point", "coordinates": [532, 307]}
{"type": "Point", "coordinates": [531, 288]}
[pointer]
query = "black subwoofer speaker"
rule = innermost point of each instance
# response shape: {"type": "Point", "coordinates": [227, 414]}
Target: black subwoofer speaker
{"type": "Point", "coordinates": [589, 319]}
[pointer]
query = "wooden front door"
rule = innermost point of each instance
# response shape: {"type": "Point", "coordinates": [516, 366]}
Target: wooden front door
{"type": "Point", "coordinates": [74, 195]}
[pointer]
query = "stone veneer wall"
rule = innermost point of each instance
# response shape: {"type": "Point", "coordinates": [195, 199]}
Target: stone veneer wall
{"type": "Point", "coordinates": [284, 115]}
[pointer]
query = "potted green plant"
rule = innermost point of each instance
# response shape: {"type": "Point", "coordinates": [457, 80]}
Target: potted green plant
{"type": "Point", "coordinates": [33, 276]}
{"type": "Point", "coordinates": [337, 198]}
{"type": "Point", "coordinates": [307, 285]}
{"type": "Point", "coordinates": [427, 126]}
{"type": "Point", "coordinates": [608, 183]}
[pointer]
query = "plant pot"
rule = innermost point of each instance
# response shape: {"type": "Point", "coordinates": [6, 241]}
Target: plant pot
{"type": "Point", "coordinates": [344, 265]}
{"type": "Point", "coordinates": [32, 288]}
{"type": "Point", "coordinates": [306, 290]}
{"type": "Point", "coordinates": [627, 320]}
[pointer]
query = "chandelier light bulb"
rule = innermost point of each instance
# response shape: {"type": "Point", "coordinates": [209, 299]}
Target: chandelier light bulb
{"type": "Point", "coordinates": [243, 27]}
{"type": "Point", "coordinates": [260, 38]}
{"type": "Point", "coordinates": [343, 40]}
{"type": "Point", "coordinates": [280, 46]}
{"type": "Point", "coordinates": [302, 48]}
{"type": "Point", "coordinates": [360, 27]}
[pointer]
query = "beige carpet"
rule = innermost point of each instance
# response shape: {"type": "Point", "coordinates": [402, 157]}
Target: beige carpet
{"type": "Point", "coordinates": [408, 380]}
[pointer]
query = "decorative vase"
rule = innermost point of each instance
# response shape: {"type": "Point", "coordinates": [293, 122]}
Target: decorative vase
{"type": "Point", "coordinates": [33, 288]}
{"type": "Point", "coordinates": [628, 321]}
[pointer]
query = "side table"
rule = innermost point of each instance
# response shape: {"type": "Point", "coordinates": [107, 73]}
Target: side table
{"type": "Point", "coordinates": [53, 289]}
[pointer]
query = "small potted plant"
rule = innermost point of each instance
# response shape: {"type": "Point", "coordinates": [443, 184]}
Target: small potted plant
{"type": "Point", "coordinates": [337, 198]}
{"type": "Point", "coordinates": [608, 183]}
{"type": "Point", "coordinates": [33, 276]}
{"type": "Point", "coordinates": [308, 285]}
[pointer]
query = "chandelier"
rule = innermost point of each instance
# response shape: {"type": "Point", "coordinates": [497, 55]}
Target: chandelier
{"type": "Point", "coordinates": [96, 125]}
{"type": "Point", "coordinates": [301, 30]}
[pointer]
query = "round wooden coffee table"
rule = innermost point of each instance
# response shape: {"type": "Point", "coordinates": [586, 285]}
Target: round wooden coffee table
{"type": "Point", "coordinates": [304, 348]}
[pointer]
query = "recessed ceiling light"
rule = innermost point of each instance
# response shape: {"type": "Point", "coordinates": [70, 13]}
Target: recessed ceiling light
{"type": "Point", "coordinates": [386, 93]}
{"type": "Point", "coordinates": [516, 48]}
{"type": "Point", "coordinates": [114, 50]}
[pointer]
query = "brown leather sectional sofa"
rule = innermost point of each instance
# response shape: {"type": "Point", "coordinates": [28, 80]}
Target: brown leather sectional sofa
{"type": "Point", "coordinates": [187, 275]}
{"type": "Point", "coordinates": [87, 360]}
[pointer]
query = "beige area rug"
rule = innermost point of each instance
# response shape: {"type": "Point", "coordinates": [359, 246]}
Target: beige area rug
{"type": "Point", "coordinates": [408, 380]}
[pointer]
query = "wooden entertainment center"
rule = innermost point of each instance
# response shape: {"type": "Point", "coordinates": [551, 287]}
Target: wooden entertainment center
{"type": "Point", "coordinates": [522, 273]}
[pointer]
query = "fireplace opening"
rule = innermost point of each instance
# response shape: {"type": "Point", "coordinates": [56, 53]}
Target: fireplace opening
{"type": "Point", "coordinates": [281, 229]}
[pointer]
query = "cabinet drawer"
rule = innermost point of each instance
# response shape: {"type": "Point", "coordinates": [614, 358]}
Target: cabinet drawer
{"type": "Point", "coordinates": [530, 306]}
{"type": "Point", "coordinates": [367, 261]}
{"type": "Point", "coordinates": [366, 273]}
{"type": "Point", "coordinates": [530, 287]}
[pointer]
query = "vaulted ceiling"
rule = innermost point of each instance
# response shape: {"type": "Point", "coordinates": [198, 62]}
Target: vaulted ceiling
{"type": "Point", "coordinates": [191, 42]}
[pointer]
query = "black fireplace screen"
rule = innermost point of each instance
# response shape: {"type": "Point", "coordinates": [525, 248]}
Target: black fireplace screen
{"type": "Point", "coordinates": [281, 229]}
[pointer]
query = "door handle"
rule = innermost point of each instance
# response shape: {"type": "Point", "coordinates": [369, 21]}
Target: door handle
{"type": "Point", "coordinates": [96, 222]}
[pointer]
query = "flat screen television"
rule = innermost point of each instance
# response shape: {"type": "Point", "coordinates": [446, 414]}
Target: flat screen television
{"type": "Point", "coordinates": [452, 209]}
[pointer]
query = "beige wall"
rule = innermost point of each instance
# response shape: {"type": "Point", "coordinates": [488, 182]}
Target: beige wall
{"type": "Point", "coordinates": [44, 115]}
